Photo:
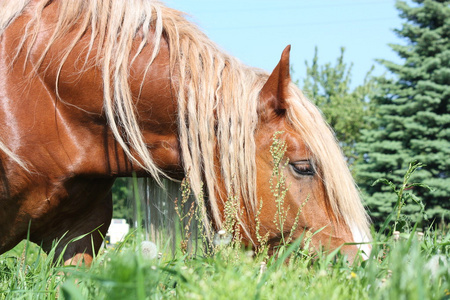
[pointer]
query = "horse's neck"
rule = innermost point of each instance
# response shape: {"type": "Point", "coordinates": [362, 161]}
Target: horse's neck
{"type": "Point", "coordinates": [155, 105]}
{"type": "Point", "coordinates": [76, 98]}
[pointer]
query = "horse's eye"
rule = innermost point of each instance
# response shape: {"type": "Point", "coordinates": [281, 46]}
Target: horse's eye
{"type": "Point", "coordinates": [303, 168]}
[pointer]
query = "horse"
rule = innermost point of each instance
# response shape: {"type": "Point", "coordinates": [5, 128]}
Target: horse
{"type": "Point", "coordinates": [93, 90]}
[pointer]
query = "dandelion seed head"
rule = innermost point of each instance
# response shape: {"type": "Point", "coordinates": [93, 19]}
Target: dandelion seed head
{"type": "Point", "coordinates": [149, 250]}
{"type": "Point", "coordinates": [222, 238]}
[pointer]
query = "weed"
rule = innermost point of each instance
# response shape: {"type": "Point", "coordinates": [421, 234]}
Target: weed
{"type": "Point", "coordinates": [185, 217]}
{"type": "Point", "coordinates": [277, 181]}
{"type": "Point", "coordinates": [279, 189]}
{"type": "Point", "coordinates": [404, 194]}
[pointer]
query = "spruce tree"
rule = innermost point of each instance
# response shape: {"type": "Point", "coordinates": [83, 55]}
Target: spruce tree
{"type": "Point", "coordinates": [412, 120]}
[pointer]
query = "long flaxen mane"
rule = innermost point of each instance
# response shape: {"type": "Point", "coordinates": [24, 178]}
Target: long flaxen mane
{"type": "Point", "coordinates": [215, 91]}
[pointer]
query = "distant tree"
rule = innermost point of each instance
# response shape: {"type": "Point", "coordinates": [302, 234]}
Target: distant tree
{"type": "Point", "coordinates": [343, 107]}
{"type": "Point", "coordinates": [121, 192]}
{"type": "Point", "coordinates": [412, 121]}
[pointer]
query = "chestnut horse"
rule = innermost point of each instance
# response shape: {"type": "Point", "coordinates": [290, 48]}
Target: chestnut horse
{"type": "Point", "coordinates": [92, 90]}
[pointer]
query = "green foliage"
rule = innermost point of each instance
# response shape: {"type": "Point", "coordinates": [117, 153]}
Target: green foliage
{"type": "Point", "coordinates": [344, 108]}
{"type": "Point", "coordinates": [412, 118]}
{"type": "Point", "coordinates": [408, 268]}
{"type": "Point", "coordinates": [121, 193]}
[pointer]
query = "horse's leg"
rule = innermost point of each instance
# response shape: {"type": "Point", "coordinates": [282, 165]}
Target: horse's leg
{"type": "Point", "coordinates": [79, 222]}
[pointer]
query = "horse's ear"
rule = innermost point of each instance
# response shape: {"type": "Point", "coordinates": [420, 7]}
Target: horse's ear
{"type": "Point", "coordinates": [275, 91]}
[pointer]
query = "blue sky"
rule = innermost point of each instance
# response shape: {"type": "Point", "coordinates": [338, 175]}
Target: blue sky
{"type": "Point", "coordinates": [256, 31]}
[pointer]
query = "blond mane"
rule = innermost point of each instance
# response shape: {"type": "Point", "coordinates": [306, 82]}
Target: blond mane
{"type": "Point", "coordinates": [10, 11]}
{"type": "Point", "coordinates": [216, 92]}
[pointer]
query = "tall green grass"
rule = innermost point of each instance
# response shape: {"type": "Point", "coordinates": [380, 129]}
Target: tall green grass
{"type": "Point", "coordinates": [407, 268]}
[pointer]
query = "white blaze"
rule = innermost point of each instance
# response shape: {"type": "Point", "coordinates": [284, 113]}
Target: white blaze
{"type": "Point", "coordinates": [359, 237]}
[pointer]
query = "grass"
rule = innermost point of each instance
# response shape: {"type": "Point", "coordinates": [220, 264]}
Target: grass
{"type": "Point", "coordinates": [407, 268]}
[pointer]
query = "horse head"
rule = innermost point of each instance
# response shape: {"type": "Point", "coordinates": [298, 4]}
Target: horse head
{"type": "Point", "coordinates": [295, 194]}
